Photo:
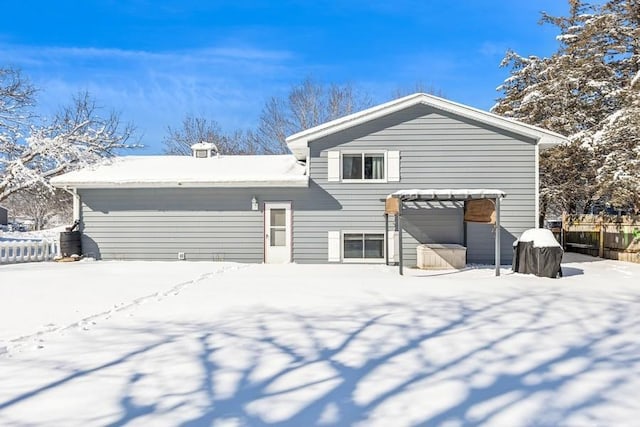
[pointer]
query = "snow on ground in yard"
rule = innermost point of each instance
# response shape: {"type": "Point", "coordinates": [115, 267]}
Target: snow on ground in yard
{"type": "Point", "coordinates": [45, 296]}
{"type": "Point", "coordinates": [302, 345]}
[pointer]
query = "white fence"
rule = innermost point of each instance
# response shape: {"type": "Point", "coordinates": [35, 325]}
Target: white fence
{"type": "Point", "coordinates": [28, 251]}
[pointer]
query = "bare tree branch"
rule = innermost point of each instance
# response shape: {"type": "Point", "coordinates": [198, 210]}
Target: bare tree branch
{"type": "Point", "coordinates": [308, 104]}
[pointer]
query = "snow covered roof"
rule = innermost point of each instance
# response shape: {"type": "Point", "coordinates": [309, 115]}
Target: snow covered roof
{"type": "Point", "coordinates": [186, 171]}
{"type": "Point", "coordinates": [448, 194]}
{"type": "Point", "coordinates": [298, 142]}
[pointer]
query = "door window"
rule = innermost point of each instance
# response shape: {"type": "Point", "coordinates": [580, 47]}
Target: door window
{"type": "Point", "coordinates": [278, 227]}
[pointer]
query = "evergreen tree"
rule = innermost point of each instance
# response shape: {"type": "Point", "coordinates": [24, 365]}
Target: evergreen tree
{"type": "Point", "coordinates": [588, 90]}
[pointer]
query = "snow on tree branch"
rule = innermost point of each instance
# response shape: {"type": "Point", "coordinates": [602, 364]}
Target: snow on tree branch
{"type": "Point", "coordinates": [33, 150]}
{"type": "Point", "coordinates": [588, 90]}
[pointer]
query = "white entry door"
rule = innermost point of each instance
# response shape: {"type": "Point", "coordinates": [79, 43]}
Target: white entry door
{"type": "Point", "coordinates": [277, 233]}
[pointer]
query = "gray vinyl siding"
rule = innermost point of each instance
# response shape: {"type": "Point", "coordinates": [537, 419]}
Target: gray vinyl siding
{"type": "Point", "coordinates": [437, 151]}
{"type": "Point", "coordinates": [156, 224]}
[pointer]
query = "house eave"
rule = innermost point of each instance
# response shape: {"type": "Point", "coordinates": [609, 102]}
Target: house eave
{"type": "Point", "coordinates": [266, 183]}
{"type": "Point", "coordinates": [298, 143]}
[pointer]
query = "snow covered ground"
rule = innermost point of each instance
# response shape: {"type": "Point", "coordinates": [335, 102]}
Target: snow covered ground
{"type": "Point", "coordinates": [226, 344]}
{"type": "Point", "coordinates": [51, 233]}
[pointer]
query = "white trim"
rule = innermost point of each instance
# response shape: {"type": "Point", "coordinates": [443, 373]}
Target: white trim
{"type": "Point", "coordinates": [392, 165]}
{"type": "Point", "coordinates": [298, 143]}
{"type": "Point", "coordinates": [288, 207]}
{"type": "Point", "coordinates": [302, 181]}
{"type": "Point", "coordinates": [77, 204]}
{"type": "Point", "coordinates": [537, 184]}
{"type": "Point", "coordinates": [334, 252]}
{"type": "Point", "coordinates": [365, 181]}
{"type": "Point", "coordinates": [363, 153]}
{"type": "Point", "coordinates": [361, 260]}
{"type": "Point", "coordinates": [334, 165]}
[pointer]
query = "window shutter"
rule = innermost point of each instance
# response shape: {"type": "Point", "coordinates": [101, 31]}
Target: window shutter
{"type": "Point", "coordinates": [334, 246]}
{"type": "Point", "coordinates": [393, 166]}
{"type": "Point", "coordinates": [333, 166]}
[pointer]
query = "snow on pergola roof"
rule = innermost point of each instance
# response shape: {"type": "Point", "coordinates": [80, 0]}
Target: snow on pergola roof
{"type": "Point", "coordinates": [448, 194]}
{"type": "Point", "coordinates": [186, 171]}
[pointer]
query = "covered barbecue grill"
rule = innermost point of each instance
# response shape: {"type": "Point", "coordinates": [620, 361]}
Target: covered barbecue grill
{"type": "Point", "coordinates": [537, 252]}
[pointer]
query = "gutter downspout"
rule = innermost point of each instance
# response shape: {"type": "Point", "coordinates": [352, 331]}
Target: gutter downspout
{"type": "Point", "coordinates": [76, 202]}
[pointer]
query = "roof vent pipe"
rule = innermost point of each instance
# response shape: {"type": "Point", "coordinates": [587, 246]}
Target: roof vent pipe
{"type": "Point", "coordinates": [204, 150]}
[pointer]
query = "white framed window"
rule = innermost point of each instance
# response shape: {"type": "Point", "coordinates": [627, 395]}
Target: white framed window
{"type": "Point", "coordinates": [358, 246]}
{"type": "Point", "coordinates": [363, 166]}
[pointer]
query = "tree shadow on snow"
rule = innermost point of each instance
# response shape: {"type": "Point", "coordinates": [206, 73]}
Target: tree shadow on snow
{"type": "Point", "coordinates": [428, 362]}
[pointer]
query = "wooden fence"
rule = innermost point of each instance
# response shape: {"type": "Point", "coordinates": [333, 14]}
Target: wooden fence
{"type": "Point", "coordinates": [16, 251]}
{"type": "Point", "coordinates": [612, 237]}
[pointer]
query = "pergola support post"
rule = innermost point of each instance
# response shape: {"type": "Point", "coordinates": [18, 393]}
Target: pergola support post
{"type": "Point", "coordinates": [401, 259]}
{"type": "Point", "coordinates": [447, 195]}
{"type": "Point", "coordinates": [386, 238]}
{"type": "Point", "coordinates": [497, 236]}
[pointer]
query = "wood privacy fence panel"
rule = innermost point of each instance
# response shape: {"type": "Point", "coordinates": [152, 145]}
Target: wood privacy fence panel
{"type": "Point", "coordinates": [603, 236]}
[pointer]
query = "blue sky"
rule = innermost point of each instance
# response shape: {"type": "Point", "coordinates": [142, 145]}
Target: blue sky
{"type": "Point", "coordinates": [156, 61]}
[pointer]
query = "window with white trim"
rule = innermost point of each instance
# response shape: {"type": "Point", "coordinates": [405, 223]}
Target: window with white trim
{"type": "Point", "coordinates": [363, 246]}
{"type": "Point", "coordinates": [363, 166]}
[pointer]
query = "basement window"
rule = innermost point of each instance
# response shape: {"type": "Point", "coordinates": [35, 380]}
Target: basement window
{"type": "Point", "coordinates": [363, 246]}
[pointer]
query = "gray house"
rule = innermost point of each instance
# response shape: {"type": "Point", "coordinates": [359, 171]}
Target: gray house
{"type": "Point", "coordinates": [326, 201]}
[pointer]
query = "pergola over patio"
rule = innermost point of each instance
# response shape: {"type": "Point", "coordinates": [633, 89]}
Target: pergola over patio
{"type": "Point", "coordinates": [429, 195]}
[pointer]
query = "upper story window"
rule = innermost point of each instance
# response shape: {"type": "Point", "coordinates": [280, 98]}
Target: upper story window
{"type": "Point", "coordinates": [363, 166]}
{"type": "Point", "coordinates": [352, 166]}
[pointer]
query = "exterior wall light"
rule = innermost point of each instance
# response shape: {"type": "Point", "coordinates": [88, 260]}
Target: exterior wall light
{"type": "Point", "coordinates": [254, 203]}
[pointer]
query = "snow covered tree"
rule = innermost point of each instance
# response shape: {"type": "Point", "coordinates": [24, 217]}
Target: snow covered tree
{"type": "Point", "coordinates": [567, 180]}
{"type": "Point", "coordinates": [308, 104]}
{"type": "Point", "coordinates": [33, 150]}
{"type": "Point", "coordinates": [42, 205]}
{"type": "Point", "coordinates": [588, 90]}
